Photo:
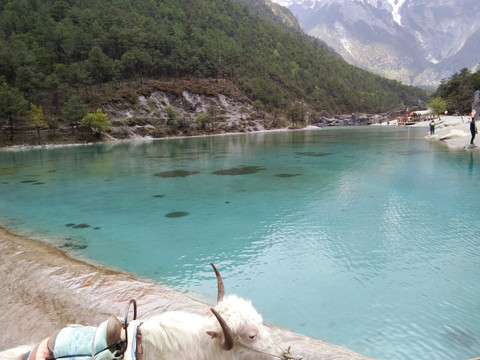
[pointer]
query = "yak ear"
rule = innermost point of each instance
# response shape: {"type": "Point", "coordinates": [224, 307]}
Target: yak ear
{"type": "Point", "coordinates": [213, 333]}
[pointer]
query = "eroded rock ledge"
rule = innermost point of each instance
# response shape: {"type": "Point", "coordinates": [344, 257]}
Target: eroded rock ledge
{"type": "Point", "coordinates": [43, 289]}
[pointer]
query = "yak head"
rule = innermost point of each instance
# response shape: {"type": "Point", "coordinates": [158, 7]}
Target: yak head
{"type": "Point", "coordinates": [240, 328]}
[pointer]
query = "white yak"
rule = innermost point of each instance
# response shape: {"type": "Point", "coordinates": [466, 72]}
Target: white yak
{"type": "Point", "coordinates": [232, 330]}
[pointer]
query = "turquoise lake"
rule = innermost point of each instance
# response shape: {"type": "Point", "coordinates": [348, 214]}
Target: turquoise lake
{"type": "Point", "coordinates": [366, 237]}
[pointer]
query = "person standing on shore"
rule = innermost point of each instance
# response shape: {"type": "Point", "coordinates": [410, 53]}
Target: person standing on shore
{"type": "Point", "coordinates": [432, 127]}
{"type": "Point", "coordinates": [473, 130]}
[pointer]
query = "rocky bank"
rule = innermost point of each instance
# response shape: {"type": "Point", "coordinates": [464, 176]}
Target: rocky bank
{"type": "Point", "coordinates": [143, 110]}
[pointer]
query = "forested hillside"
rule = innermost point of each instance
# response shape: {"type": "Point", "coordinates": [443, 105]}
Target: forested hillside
{"type": "Point", "coordinates": [50, 49]}
{"type": "Point", "coordinates": [458, 91]}
{"type": "Point", "coordinates": [273, 13]}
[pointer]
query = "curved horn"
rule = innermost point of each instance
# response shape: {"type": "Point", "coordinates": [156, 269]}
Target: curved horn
{"type": "Point", "coordinates": [227, 333]}
{"type": "Point", "coordinates": [221, 289]}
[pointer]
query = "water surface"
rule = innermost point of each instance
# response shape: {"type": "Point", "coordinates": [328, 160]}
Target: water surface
{"type": "Point", "coordinates": [365, 237]}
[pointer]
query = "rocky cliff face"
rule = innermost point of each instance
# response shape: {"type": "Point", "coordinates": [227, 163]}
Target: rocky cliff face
{"type": "Point", "coordinates": [145, 112]}
{"type": "Point", "coordinates": [417, 42]}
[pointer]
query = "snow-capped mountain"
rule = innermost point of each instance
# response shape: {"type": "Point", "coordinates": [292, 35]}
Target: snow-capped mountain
{"type": "Point", "coordinates": [417, 42]}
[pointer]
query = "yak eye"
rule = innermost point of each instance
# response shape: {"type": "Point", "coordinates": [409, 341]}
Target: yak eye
{"type": "Point", "coordinates": [252, 336]}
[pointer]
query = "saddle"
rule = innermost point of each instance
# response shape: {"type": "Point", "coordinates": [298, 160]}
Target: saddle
{"type": "Point", "coordinates": [103, 342]}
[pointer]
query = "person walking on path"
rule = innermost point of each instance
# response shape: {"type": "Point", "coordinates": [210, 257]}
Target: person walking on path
{"type": "Point", "coordinates": [432, 127]}
{"type": "Point", "coordinates": [473, 130]}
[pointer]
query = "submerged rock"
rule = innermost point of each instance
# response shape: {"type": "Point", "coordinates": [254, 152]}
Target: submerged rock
{"type": "Point", "coordinates": [81, 226]}
{"type": "Point", "coordinates": [287, 175]}
{"type": "Point", "coordinates": [311, 153]}
{"type": "Point", "coordinates": [175, 173]}
{"type": "Point", "coordinates": [74, 245]}
{"type": "Point", "coordinates": [176, 214]}
{"type": "Point", "coordinates": [241, 170]}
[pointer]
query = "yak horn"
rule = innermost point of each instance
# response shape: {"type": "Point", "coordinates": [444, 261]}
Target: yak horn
{"type": "Point", "coordinates": [221, 289]}
{"type": "Point", "coordinates": [227, 333]}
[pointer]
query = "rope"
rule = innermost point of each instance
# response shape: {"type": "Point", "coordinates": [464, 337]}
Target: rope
{"type": "Point", "coordinates": [286, 353]}
{"type": "Point", "coordinates": [125, 325]}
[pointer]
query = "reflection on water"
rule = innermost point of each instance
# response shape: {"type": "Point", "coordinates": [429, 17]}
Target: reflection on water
{"type": "Point", "coordinates": [362, 237]}
{"type": "Point", "coordinates": [470, 164]}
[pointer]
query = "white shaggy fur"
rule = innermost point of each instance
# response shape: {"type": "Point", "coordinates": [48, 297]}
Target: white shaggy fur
{"type": "Point", "coordinates": [177, 335]}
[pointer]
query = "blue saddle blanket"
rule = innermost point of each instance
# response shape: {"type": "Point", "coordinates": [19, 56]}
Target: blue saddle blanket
{"type": "Point", "coordinates": [83, 340]}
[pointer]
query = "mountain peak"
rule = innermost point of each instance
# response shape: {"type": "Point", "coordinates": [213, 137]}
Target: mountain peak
{"type": "Point", "coordinates": [417, 42]}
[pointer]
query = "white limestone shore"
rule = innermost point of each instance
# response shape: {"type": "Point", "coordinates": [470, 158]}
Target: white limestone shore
{"type": "Point", "coordinates": [454, 131]}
